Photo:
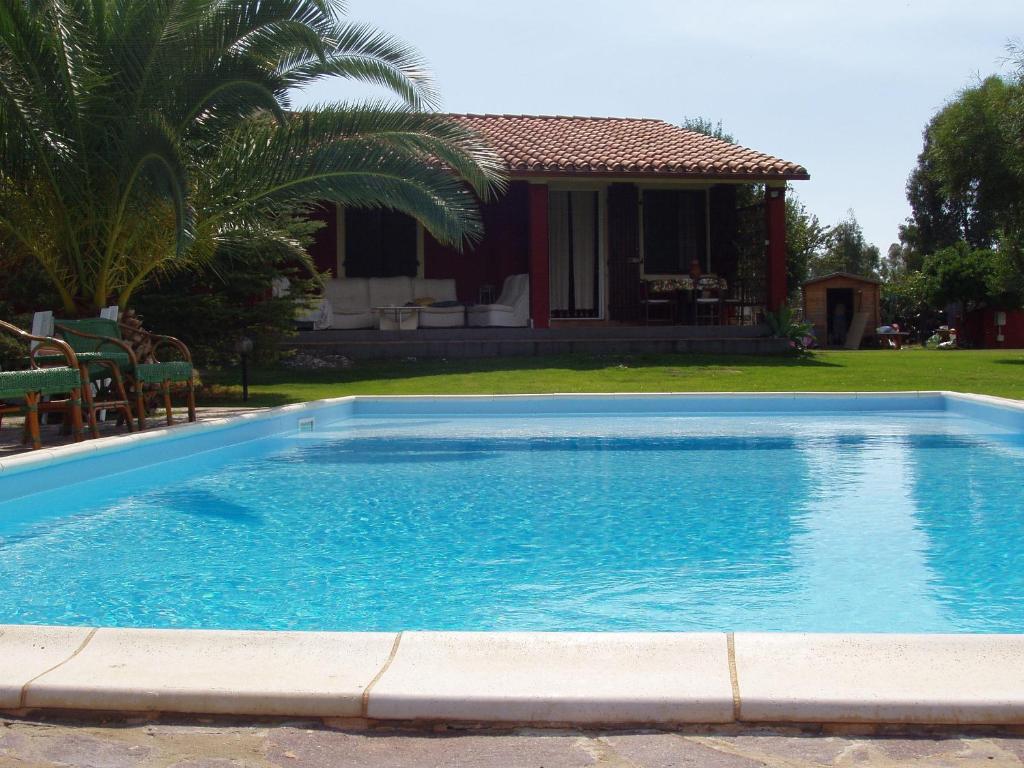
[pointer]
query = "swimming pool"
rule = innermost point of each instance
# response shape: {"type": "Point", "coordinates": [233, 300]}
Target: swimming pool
{"type": "Point", "coordinates": [894, 513]}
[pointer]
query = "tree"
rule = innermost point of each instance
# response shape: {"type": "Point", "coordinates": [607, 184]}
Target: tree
{"type": "Point", "coordinates": [961, 275]}
{"type": "Point", "coordinates": [708, 127]}
{"type": "Point", "coordinates": [971, 157]}
{"type": "Point", "coordinates": [969, 178]}
{"type": "Point", "coordinates": [846, 250]}
{"type": "Point", "coordinates": [906, 299]}
{"type": "Point", "coordinates": [937, 221]}
{"type": "Point", "coordinates": [805, 238]}
{"type": "Point", "coordinates": [904, 256]}
{"type": "Point", "coordinates": [143, 137]}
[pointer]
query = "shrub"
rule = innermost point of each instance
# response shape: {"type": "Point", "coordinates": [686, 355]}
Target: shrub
{"type": "Point", "coordinates": [785, 325]}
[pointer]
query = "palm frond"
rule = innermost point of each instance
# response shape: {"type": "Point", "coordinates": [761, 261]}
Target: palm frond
{"type": "Point", "coordinates": [363, 53]}
{"type": "Point", "coordinates": [141, 137]}
{"type": "Point", "coordinates": [335, 155]}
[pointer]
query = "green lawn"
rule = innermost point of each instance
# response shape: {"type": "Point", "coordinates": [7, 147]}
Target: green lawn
{"type": "Point", "coordinates": [992, 372]}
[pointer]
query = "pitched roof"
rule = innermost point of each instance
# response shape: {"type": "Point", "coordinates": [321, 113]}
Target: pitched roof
{"type": "Point", "coordinates": [845, 275]}
{"type": "Point", "coordinates": [545, 145]}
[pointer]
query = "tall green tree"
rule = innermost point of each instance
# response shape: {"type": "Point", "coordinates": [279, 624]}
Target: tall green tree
{"type": "Point", "coordinates": [960, 275]}
{"type": "Point", "coordinates": [141, 137]}
{"type": "Point", "coordinates": [806, 237]}
{"type": "Point", "coordinates": [846, 250]}
{"type": "Point", "coordinates": [969, 181]}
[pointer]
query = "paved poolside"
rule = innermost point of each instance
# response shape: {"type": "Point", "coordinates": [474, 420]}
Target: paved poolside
{"type": "Point", "coordinates": [11, 427]}
{"type": "Point", "coordinates": [227, 744]}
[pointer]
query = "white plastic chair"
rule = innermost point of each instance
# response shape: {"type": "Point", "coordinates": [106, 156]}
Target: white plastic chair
{"type": "Point", "coordinates": [511, 310]}
{"type": "Point", "coordinates": [42, 325]}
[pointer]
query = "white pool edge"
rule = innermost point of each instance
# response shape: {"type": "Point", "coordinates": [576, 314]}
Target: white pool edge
{"type": "Point", "coordinates": [519, 678]}
{"type": "Point", "coordinates": [515, 678]}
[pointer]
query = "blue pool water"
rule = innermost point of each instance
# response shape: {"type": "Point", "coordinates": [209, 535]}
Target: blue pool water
{"type": "Point", "coordinates": [889, 521]}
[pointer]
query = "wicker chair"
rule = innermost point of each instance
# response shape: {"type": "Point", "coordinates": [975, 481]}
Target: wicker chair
{"type": "Point", "coordinates": [104, 336]}
{"type": "Point", "coordinates": [38, 380]}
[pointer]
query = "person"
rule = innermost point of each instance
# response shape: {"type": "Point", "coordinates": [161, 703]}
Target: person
{"type": "Point", "coordinates": [840, 325]}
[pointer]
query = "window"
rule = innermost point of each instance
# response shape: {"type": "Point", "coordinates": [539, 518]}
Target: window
{"type": "Point", "coordinates": [573, 237]}
{"type": "Point", "coordinates": [379, 243]}
{"type": "Point", "coordinates": [674, 230]}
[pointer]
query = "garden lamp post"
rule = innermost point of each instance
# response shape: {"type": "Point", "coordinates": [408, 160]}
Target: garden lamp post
{"type": "Point", "coordinates": [243, 347]}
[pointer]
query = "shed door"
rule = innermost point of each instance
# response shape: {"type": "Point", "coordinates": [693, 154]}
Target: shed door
{"type": "Point", "coordinates": [839, 304]}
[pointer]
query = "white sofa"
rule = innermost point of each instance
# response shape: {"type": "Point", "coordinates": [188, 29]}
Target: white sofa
{"type": "Point", "coordinates": [352, 300]}
{"type": "Point", "coordinates": [512, 309]}
{"type": "Point", "coordinates": [452, 316]}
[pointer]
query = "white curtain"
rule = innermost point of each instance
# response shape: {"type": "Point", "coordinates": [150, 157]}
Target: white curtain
{"type": "Point", "coordinates": [581, 279]}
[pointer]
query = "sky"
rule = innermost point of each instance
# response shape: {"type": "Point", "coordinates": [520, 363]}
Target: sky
{"type": "Point", "coordinates": [843, 88]}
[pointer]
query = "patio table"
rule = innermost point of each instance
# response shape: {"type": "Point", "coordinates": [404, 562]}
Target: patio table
{"type": "Point", "coordinates": [398, 318]}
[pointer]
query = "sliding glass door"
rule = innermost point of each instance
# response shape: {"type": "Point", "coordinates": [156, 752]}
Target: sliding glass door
{"type": "Point", "coordinates": [573, 248]}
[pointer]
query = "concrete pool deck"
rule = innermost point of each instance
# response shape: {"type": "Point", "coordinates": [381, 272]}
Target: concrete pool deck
{"type": "Point", "coordinates": [12, 445]}
{"type": "Point", "coordinates": [549, 679]}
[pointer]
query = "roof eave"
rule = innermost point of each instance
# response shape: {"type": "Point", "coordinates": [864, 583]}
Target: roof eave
{"type": "Point", "coordinates": [650, 175]}
{"type": "Point", "coordinates": [845, 275]}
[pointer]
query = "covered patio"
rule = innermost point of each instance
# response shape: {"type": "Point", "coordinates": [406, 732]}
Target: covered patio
{"type": "Point", "coordinates": [606, 223]}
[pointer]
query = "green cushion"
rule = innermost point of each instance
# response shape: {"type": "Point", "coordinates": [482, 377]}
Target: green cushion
{"type": "Point", "coordinates": [154, 373]}
{"type": "Point", "coordinates": [146, 373]}
{"type": "Point", "coordinates": [47, 381]}
{"type": "Point", "coordinates": [96, 371]}
{"type": "Point", "coordinates": [97, 326]}
{"type": "Point", "coordinates": [83, 357]}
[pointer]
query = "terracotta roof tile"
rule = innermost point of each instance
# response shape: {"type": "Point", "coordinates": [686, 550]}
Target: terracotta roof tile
{"type": "Point", "coordinates": [553, 145]}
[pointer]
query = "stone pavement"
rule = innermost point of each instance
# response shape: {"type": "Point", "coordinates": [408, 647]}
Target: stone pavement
{"type": "Point", "coordinates": [221, 743]}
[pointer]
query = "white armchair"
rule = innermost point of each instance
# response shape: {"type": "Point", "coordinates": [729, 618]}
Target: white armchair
{"type": "Point", "coordinates": [511, 310]}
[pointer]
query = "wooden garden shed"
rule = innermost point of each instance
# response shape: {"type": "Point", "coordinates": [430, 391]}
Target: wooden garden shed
{"type": "Point", "coordinates": [844, 308]}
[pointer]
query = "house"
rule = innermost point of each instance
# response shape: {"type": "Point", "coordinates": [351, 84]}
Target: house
{"type": "Point", "coordinates": [839, 304]}
{"type": "Point", "coordinates": [609, 218]}
{"type": "Point", "coordinates": [991, 328]}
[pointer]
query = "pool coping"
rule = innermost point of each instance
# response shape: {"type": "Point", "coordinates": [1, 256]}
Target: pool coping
{"type": "Point", "coordinates": [553, 678]}
{"type": "Point", "coordinates": [115, 443]}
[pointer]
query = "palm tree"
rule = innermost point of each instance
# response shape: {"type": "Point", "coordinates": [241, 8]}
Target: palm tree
{"type": "Point", "coordinates": [139, 137]}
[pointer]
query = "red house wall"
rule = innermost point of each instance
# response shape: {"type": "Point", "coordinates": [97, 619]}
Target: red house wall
{"type": "Point", "coordinates": [504, 250]}
{"type": "Point", "coordinates": [324, 248]}
{"type": "Point", "coordinates": [981, 329]}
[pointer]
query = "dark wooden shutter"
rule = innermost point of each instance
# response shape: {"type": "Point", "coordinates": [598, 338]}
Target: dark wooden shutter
{"type": "Point", "coordinates": [623, 252]}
